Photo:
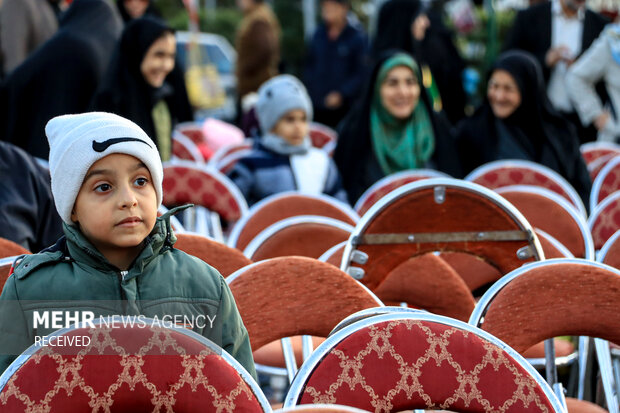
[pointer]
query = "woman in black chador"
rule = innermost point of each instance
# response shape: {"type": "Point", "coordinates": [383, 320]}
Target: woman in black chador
{"type": "Point", "coordinates": [392, 128]}
{"type": "Point", "coordinates": [137, 84]}
{"type": "Point", "coordinates": [517, 121]}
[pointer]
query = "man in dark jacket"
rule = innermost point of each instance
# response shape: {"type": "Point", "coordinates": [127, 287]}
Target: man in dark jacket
{"type": "Point", "coordinates": [556, 33]}
{"type": "Point", "coordinates": [28, 215]}
{"type": "Point", "coordinates": [335, 64]}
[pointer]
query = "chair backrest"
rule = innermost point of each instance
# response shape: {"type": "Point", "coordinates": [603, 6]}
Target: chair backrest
{"type": "Point", "coordinates": [284, 205]}
{"type": "Point", "coordinates": [546, 210]}
{"type": "Point", "coordinates": [110, 366]}
{"type": "Point", "coordinates": [604, 220]}
{"type": "Point", "coordinates": [592, 151]}
{"type": "Point", "coordinates": [551, 246]}
{"type": "Point", "coordinates": [333, 255]}
{"type": "Point", "coordinates": [303, 235]}
{"type": "Point", "coordinates": [193, 130]}
{"type": "Point", "coordinates": [610, 253]}
{"type": "Point", "coordinates": [226, 164]}
{"type": "Point", "coordinates": [392, 363]}
{"type": "Point", "coordinates": [321, 408]}
{"type": "Point", "coordinates": [322, 135]}
{"type": "Point", "coordinates": [388, 183]}
{"type": "Point", "coordinates": [595, 167]}
{"type": "Point", "coordinates": [227, 150]}
{"type": "Point", "coordinates": [518, 172]}
{"type": "Point", "coordinates": [289, 296]}
{"type": "Point", "coordinates": [220, 256]}
{"type": "Point", "coordinates": [9, 248]}
{"type": "Point", "coordinates": [185, 182]}
{"type": "Point", "coordinates": [552, 298]}
{"type": "Point", "coordinates": [606, 182]}
{"type": "Point", "coordinates": [438, 214]}
{"type": "Point", "coordinates": [184, 148]}
{"type": "Point", "coordinates": [427, 282]}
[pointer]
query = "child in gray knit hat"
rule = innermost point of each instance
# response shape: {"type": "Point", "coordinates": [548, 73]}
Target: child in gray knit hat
{"type": "Point", "coordinates": [117, 257]}
{"type": "Point", "coordinates": [283, 158]}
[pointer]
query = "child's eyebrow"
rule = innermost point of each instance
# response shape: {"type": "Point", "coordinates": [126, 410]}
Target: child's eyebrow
{"type": "Point", "coordinates": [94, 172]}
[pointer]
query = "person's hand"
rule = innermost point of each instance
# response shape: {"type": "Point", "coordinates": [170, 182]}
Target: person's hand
{"type": "Point", "coordinates": [557, 54]}
{"type": "Point", "coordinates": [333, 100]}
{"type": "Point", "coordinates": [601, 120]}
{"type": "Point", "coordinates": [419, 27]}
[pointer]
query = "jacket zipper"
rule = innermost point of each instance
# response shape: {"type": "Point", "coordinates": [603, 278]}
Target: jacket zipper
{"type": "Point", "coordinates": [123, 275]}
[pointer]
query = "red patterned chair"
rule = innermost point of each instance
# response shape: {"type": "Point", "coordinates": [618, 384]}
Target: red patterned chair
{"type": "Point", "coordinates": [517, 172]}
{"type": "Point", "coordinates": [9, 248]}
{"type": "Point", "coordinates": [595, 167]}
{"type": "Point", "coordinates": [610, 252]}
{"type": "Point", "coordinates": [549, 299]}
{"type": "Point", "coordinates": [606, 182]}
{"type": "Point", "coordinates": [224, 151]}
{"type": "Point", "coordinates": [323, 136]}
{"type": "Point", "coordinates": [303, 235]}
{"type": "Point", "coordinates": [554, 215]}
{"type": "Point", "coordinates": [184, 148]}
{"type": "Point", "coordinates": [592, 151]}
{"type": "Point", "coordinates": [403, 361]}
{"type": "Point", "coordinates": [194, 131]}
{"type": "Point", "coordinates": [226, 164]}
{"type": "Point", "coordinates": [321, 408]}
{"type": "Point", "coordinates": [185, 182]}
{"type": "Point", "coordinates": [604, 220]}
{"type": "Point", "coordinates": [285, 205]}
{"type": "Point", "coordinates": [220, 256]}
{"type": "Point", "coordinates": [391, 182]}
{"type": "Point", "coordinates": [293, 296]}
{"type": "Point", "coordinates": [125, 369]}
{"type": "Point", "coordinates": [439, 214]}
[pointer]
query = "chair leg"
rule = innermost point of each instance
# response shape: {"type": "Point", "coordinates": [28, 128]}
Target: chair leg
{"type": "Point", "coordinates": [603, 356]}
{"type": "Point", "coordinates": [289, 358]}
{"type": "Point", "coordinates": [584, 349]}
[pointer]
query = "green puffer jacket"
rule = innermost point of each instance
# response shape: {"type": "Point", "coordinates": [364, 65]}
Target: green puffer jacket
{"type": "Point", "coordinates": [163, 281]}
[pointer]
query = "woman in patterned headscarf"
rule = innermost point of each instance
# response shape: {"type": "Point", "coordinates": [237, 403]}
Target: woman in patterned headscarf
{"type": "Point", "coordinates": [393, 128]}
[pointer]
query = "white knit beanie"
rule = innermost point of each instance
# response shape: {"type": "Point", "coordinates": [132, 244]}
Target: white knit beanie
{"type": "Point", "coordinates": [78, 141]}
{"type": "Point", "coordinates": [280, 95]}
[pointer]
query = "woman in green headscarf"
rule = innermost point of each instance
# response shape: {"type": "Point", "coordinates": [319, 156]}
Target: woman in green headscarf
{"type": "Point", "coordinates": [393, 128]}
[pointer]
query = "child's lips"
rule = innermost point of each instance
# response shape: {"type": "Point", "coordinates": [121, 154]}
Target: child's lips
{"type": "Point", "coordinates": [129, 222]}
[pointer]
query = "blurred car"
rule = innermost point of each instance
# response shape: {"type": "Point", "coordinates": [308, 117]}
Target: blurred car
{"type": "Point", "coordinates": [208, 61]}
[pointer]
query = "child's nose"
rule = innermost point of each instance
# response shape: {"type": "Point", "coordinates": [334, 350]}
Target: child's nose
{"type": "Point", "coordinates": [127, 198]}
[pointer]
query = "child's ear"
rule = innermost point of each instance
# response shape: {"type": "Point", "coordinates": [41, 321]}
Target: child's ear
{"type": "Point", "coordinates": [74, 217]}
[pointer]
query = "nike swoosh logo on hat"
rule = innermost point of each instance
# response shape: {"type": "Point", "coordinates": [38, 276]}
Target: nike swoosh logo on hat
{"type": "Point", "coordinates": [102, 146]}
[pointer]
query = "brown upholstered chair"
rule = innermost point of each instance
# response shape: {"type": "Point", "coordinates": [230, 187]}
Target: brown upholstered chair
{"type": "Point", "coordinates": [127, 367]}
{"type": "Point", "coordinates": [607, 182]}
{"type": "Point", "coordinates": [333, 255]}
{"type": "Point", "coordinates": [220, 256]}
{"type": "Point", "coordinates": [292, 296]}
{"type": "Point", "coordinates": [442, 215]}
{"type": "Point", "coordinates": [518, 172]}
{"type": "Point", "coordinates": [389, 183]}
{"type": "Point", "coordinates": [415, 360]}
{"type": "Point", "coordinates": [546, 210]}
{"type": "Point", "coordinates": [9, 248]}
{"type": "Point", "coordinates": [604, 220]}
{"type": "Point", "coordinates": [610, 253]}
{"type": "Point", "coordinates": [285, 205]}
{"type": "Point", "coordinates": [304, 235]}
{"type": "Point", "coordinates": [549, 299]}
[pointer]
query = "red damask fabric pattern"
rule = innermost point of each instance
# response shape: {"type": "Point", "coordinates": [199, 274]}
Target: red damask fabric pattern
{"type": "Point", "coordinates": [139, 370]}
{"type": "Point", "coordinates": [606, 223]}
{"type": "Point", "coordinates": [411, 364]}
{"type": "Point", "coordinates": [184, 185]}
{"type": "Point", "coordinates": [610, 184]}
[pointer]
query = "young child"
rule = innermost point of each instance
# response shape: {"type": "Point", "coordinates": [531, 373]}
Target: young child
{"type": "Point", "coordinates": [284, 158]}
{"type": "Point", "coordinates": [117, 257]}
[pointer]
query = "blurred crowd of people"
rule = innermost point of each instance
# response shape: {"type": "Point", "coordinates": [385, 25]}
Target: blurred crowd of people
{"type": "Point", "coordinates": [396, 100]}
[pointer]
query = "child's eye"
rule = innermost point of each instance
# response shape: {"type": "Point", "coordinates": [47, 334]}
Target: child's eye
{"type": "Point", "coordinates": [103, 188]}
{"type": "Point", "coordinates": [141, 181]}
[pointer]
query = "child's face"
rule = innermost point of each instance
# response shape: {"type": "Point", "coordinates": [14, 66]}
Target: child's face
{"type": "Point", "coordinates": [292, 127]}
{"type": "Point", "coordinates": [116, 207]}
{"type": "Point", "coordinates": [158, 61]}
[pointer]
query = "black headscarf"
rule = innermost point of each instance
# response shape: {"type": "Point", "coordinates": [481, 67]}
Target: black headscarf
{"type": "Point", "coordinates": [543, 135]}
{"type": "Point", "coordinates": [437, 50]}
{"type": "Point", "coordinates": [124, 90]}
{"type": "Point", "coordinates": [150, 11]}
{"type": "Point", "coordinates": [61, 76]}
{"type": "Point", "coordinates": [354, 153]}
